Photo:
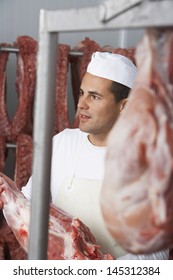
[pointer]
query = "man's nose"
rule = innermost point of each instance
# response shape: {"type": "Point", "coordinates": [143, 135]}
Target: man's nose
{"type": "Point", "coordinates": [82, 102]}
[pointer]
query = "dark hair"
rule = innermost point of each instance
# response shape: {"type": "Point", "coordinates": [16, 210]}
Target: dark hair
{"type": "Point", "coordinates": [120, 91]}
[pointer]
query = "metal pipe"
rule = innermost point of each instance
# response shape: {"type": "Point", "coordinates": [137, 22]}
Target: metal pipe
{"type": "Point", "coordinates": [43, 131]}
{"type": "Point", "coordinates": [9, 49]}
{"type": "Point", "coordinates": [11, 145]}
{"type": "Point", "coordinates": [123, 38]}
{"type": "Point", "coordinates": [16, 50]}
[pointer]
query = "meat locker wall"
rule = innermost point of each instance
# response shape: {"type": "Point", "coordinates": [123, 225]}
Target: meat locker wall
{"type": "Point", "coordinates": [21, 18]}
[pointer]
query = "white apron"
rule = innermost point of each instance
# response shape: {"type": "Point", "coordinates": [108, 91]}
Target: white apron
{"type": "Point", "coordinates": [80, 198]}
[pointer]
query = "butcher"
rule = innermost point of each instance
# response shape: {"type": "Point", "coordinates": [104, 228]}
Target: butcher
{"type": "Point", "coordinates": [78, 154]}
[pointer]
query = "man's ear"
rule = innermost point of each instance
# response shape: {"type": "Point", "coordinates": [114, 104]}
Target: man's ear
{"type": "Point", "coordinates": [123, 104]}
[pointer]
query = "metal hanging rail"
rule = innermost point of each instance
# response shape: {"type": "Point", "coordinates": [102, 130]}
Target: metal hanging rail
{"type": "Point", "coordinates": [101, 17]}
{"type": "Point", "coordinates": [11, 146]}
{"type": "Point", "coordinates": [9, 49]}
{"type": "Point", "coordinates": [16, 50]}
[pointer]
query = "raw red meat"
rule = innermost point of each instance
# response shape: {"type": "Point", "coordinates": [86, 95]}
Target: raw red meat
{"type": "Point", "coordinates": [2, 153]}
{"type": "Point", "coordinates": [75, 62]}
{"type": "Point", "coordinates": [1, 249]}
{"type": "Point", "coordinates": [61, 110]}
{"type": "Point", "coordinates": [69, 238]}
{"type": "Point", "coordinates": [5, 124]}
{"type": "Point", "coordinates": [137, 194]}
{"type": "Point", "coordinates": [11, 247]}
{"type": "Point", "coordinates": [26, 80]}
{"type": "Point", "coordinates": [23, 162]}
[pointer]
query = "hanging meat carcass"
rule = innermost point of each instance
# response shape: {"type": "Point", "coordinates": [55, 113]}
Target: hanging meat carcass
{"type": "Point", "coordinates": [23, 160]}
{"type": "Point", "coordinates": [3, 151]}
{"type": "Point", "coordinates": [1, 249]}
{"type": "Point", "coordinates": [137, 192]}
{"type": "Point", "coordinates": [5, 124]}
{"type": "Point", "coordinates": [61, 111]}
{"type": "Point", "coordinates": [26, 81]}
{"type": "Point", "coordinates": [68, 238]}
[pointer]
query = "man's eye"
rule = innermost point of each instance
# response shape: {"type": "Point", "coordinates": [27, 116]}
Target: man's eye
{"type": "Point", "coordinates": [81, 93]}
{"type": "Point", "coordinates": [95, 97]}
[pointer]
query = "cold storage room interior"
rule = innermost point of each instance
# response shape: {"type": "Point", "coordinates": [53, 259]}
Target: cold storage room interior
{"type": "Point", "coordinates": [19, 38]}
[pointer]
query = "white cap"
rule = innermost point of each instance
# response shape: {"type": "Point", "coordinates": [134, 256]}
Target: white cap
{"type": "Point", "coordinates": [113, 67]}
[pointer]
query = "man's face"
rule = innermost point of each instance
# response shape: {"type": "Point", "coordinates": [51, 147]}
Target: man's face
{"type": "Point", "coordinates": [97, 108]}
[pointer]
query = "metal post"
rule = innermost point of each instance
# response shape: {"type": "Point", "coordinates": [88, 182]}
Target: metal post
{"type": "Point", "coordinates": [43, 128]}
{"type": "Point", "coordinates": [123, 38]}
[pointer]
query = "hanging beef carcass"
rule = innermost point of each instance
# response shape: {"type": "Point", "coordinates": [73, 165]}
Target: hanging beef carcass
{"type": "Point", "coordinates": [1, 249]}
{"type": "Point", "coordinates": [137, 192]}
{"type": "Point", "coordinates": [5, 124]}
{"type": "Point", "coordinates": [68, 238]}
{"type": "Point", "coordinates": [2, 153]}
{"type": "Point", "coordinates": [23, 160]}
{"type": "Point", "coordinates": [61, 111]}
{"type": "Point", "coordinates": [25, 83]}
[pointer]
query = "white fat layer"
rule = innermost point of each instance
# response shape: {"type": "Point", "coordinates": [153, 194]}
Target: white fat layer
{"type": "Point", "coordinates": [57, 230]}
{"type": "Point", "coordinates": [17, 214]}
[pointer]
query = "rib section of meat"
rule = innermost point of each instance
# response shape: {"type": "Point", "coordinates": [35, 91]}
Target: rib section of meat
{"type": "Point", "coordinates": [68, 237]}
{"type": "Point", "coordinates": [25, 84]}
{"type": "Point", "coordinates": [2, 153]}
{"type": "Point", "coordinates": [11, 249]}
{"type": "Point", "coordinates": [23, 160]}
{"type": "Point", "coordinates": [5, 124]}
{"type": "Point", "coordinates": [137, 192]}
{"type": "Point", "coordinates": [1, 249]}
{"type": "Point", "coordinates": [61, 111]}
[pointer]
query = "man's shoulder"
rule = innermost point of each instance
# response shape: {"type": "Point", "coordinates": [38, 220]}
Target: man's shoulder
{"type": "Point", "coordinates": [70, 135]}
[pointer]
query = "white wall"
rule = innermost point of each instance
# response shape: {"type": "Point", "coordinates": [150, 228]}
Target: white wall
{"type": "Point", "coordinates": [21, 17]}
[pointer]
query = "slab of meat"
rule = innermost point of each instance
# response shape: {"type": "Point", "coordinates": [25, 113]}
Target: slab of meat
{"type": "Point", "coordinates": [23, 161]}
{"type": "Point", "coordinates": [1, 249]}
{"type": "Point", "coordinates": [2, 153]}
{"type": "Point", "coordinates": [11, 247]}
{"type": "Point", "coordinates": [69, 238]}
{"type": "Point", "coordinates": [61, 110]}
{"type": "Point", "coordinates": [5, 124]}
{"type": "Point", "coordinates": [75, 62]}
{"type": "Point", "coordinates": [25, 84]}
{"type": "Point", "coordinates": [137, 193]}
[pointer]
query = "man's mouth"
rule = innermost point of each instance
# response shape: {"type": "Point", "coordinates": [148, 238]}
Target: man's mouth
{"type": "Point", "coordinates": [84, 117]}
